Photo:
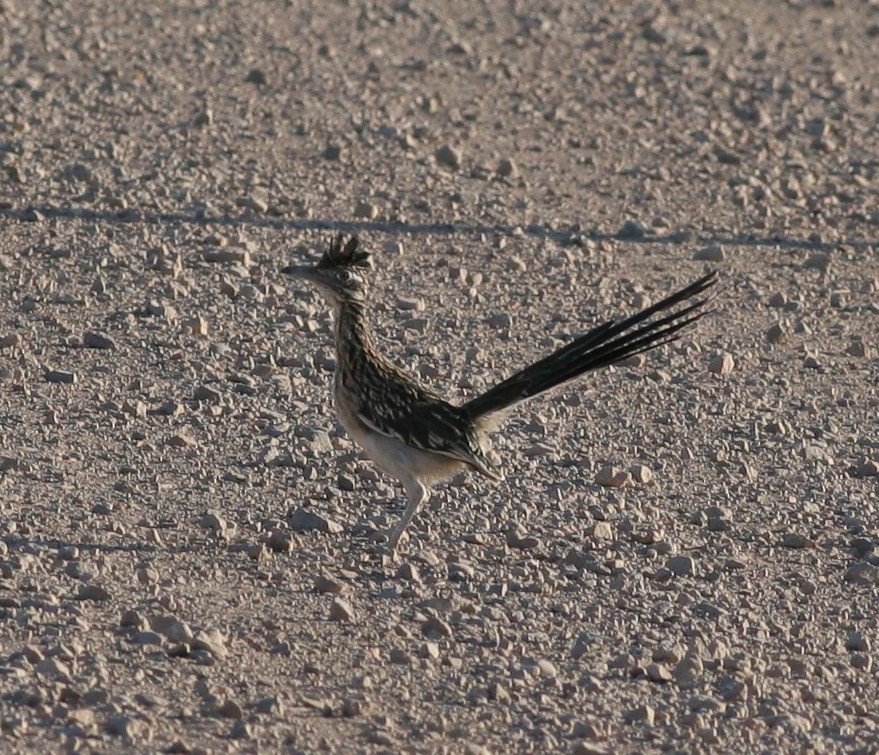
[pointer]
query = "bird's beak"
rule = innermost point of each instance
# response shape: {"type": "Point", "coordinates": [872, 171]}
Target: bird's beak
{"type": "Point", "coordinates": [298, 271]}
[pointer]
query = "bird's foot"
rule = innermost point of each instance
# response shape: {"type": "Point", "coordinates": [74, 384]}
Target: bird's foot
{"type": "Point", "coordinates": [386, 542]}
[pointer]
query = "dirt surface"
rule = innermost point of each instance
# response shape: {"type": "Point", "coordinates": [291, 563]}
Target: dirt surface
{"type": "Point", "coordinates": [185, 564]}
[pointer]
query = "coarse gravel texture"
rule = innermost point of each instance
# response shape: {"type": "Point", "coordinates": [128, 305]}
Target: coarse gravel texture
{"type": "Point", "coordinates": [684, 555]}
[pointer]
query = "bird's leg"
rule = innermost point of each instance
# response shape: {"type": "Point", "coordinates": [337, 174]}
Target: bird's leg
{"type": "Point", "coordinates": [417, 495]}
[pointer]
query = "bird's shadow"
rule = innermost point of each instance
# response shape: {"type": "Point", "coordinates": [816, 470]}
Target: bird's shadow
{"type": "Point", "coordinates": [561, 236]}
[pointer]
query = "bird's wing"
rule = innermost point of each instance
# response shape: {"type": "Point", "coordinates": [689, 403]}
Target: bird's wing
{"type": "Point", "coordinates": [418, 417]}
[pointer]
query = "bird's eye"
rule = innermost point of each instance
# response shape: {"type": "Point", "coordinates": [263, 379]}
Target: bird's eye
{"type": "Point", "coordinates": [345, 275]}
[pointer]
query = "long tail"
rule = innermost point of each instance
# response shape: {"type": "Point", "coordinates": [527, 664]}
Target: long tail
{"type": "Point", "coordinates": [604, 345]}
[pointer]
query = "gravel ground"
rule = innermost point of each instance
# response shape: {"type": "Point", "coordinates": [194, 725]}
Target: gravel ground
{"type": "Point", "coordinates": [684, 555]}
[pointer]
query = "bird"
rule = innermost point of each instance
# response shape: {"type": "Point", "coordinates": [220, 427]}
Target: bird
{"type": "Point", "coordinates": [408, 429]}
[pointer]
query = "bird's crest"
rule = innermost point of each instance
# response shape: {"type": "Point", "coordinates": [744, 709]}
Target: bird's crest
{"type": "Point", "coordinates": [337, 255]}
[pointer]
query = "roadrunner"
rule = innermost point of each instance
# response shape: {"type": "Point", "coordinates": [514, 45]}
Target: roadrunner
{"type": "Point", "coordinates": [409, 430]}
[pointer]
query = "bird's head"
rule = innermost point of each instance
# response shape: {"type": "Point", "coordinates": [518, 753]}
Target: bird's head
{"type": "Point", "coordinates": [341, 274]}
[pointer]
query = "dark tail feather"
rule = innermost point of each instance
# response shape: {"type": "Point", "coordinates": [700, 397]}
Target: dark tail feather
{"type": "Point", "coordinates": [604, 345]}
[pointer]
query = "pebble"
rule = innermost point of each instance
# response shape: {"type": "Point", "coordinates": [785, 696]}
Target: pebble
{"type": "Point", "coordinates": [722, 364]}
{"type": "Point", "coordinates": [206, 393]}
{"type": "Point", "coordinates": [795, 540]}
{"type": "Point", "coordinates": [341, 610]}
{"type": "Point", "coordinates": [436, 628]}
{"type": "Point", "coordinates": [256, 76]}
{"type": "Point", "coordinates": [507, 168]}
{"type": "Point", "coordinates": [366, 210]}
{"type": "Point", "coordinates": [409, 572]}
{"type": "Point", "coordinates": [180, 440]}
{"type": "Point", "coordinates": [817, 261]}
{"type": "Point", "coordinates": [644, 714]}
{"type": "Point", "coordinates": [611, 477]}
{"type": "Point", "coordinates": [776, 334]}
{"type": "Point", "coordinates": [227, 254]}
{"type": "Point", "coordinates": [95, 340]}
{"type": "Point", "coordinates": [211, 641]}
{"type": "Point", "coordinates": [93, 592]}
{"type": "Point", "coordinates": [713, 253]}
{"type": "Point", "coordinates": [631, 229]}
{"type": "Point", "coordinates": [305, 520]}
{"type": "Point", "coordinates": [53, 667]}
{"type": "Point", "coordinates": [60, 376]}
{"type": "Point", "coordinates": [681, 566]}
{"type": "Point", "coordinates": [856, 642]}
{"type": "Point", "coordinates": [327, 584]}
{"type": "Point", "coordinates": [641, 473]}
{"type": "Point", "coordinates": [868, 468]}
{"type": "Point", "coordinates": [778, 299]}
{"type": "Point", "coordinates": [448, 156]}
{"type": "Point", "coordinates": [688, 672]}
{"type": "Point", "coordinates": [656, 672]}
{"type": "Point", "coordinates": [212, 521]}
{"type": "Point", "coordinates": [862, 574]}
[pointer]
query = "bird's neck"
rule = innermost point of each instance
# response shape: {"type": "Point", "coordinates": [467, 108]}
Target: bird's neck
{"type": "Point", "coordinates": [352, 328]}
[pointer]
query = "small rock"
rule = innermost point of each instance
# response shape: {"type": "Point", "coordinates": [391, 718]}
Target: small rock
{"type": "Point", "coordinates": [856, 642]}
{"type": "Point", "coordinates": [776, 334]}
{"type": "Point", "coordinates": [713, 253]}
{"type": "Point", "coordinates": [656, 672]}
{"type": "Point", "coordinates": [688, 672]}
{"type": "Point", "coordinates": [256, 76]}
{"type": "Point", "coordinates": [641, 473]}
{"type": "Point", "coordinates": [204, 117]}
{"type": "Point", "coordinates": [95, 340]}
{"type": "Point", "coordinates": [507, 168]}
{"type": "Point", "coordinates": [366, 210]}
{"type": "Point", "coordinates": [409, 572]}
{"type": "Point", "coordinates": [93, 592]}
{"type": "Point", "coordinates": [602, 531]}
{"type": "Point", "coordinates": [304, 520]}
{"type": "Point", "coordinates": [817, 261]}
{"type": "Point", "coordinates": [121, 726]}
{"type": "Point", "coordinates": [206, 393]}
{"type": "Point", "coordinates": [631, 229]}
{"type": "Point", "coordinates": [722, 364]}
{"type": "Point", "coordinates": [230, 254]}
{"type": "Point", "coordinates": [682, 566]}
{"type": "Point", "coordinates": [60, 376]}
{"type": "Point", "coordinates": [858, 348]}
{"type": "Point", "coordinates": [326, 584]}
{"type": "Point", "coordinates": [230, 709]}
{"type": "Point", "coordinates": [449, 156]}
{"type": "Point", "coordinates": [868, 468]}
{"type": "Point", "coordinates": [211, 641]}
{"type": "Point", "coordinates": [611, 477]}
{"type": "Point", "coordinates": [778, 299]}
{"type": "Point", "coordinates": [341, 610]}
{"type": "Point", "coordinates": [817, 453]}
{"type": "Point", "coordinates": [180, 440]}
{"type": "Point", "coordinates": [212, 521]}
{"type": "Point", "coordinates": [280, 541]}
{"type": "Point", "coordinates": [436, 628]}
{"type": "Point", "coordinates": [642, 714]}
{"type": "Point", "coordinates": [353, 707]}
{"type": "Point", "coordinates": [255, 202]}
{"type": "Point", "coordinates": [52, 667]}
{"type": "Point", "coordinates": [795, 540]}
{"type": "Point", "coordinates": [862, 574]}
